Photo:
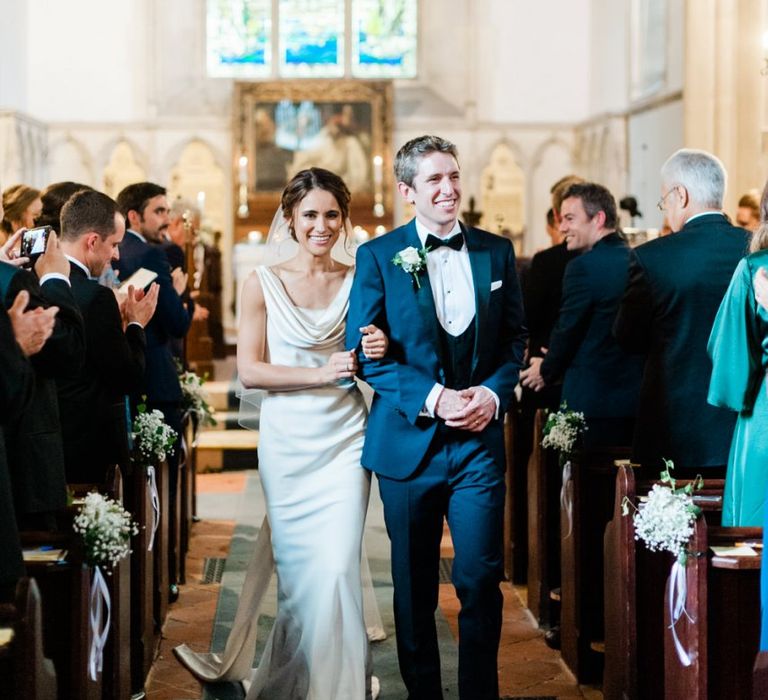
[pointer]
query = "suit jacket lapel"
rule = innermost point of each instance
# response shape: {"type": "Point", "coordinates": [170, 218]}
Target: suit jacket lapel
{"type": "Point", "coordinates": [424, 298]}
{"type": "Point", "coordinates": [480, 263]}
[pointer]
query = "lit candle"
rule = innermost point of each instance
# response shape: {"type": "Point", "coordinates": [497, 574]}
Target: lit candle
{"type": "Point", "coordinates": [201, 203]}
{"type": "Point", "coordinates": [243, 171]}
{"type": "Point", "coordinates": [378, 175]}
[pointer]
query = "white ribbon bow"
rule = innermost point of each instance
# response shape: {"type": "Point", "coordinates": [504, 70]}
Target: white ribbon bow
{"type": "Point", "coordinates": [678, 594]}
{"type": "Point", "coordinates": [155, 499]}
{"type": "Point", "coordinates": [99, 600]}
{"type": "Point", "coordinates": [566, 497]}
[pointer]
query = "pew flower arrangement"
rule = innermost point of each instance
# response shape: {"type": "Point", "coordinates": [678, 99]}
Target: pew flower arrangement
{"type": "Point", "coordinates": [153, 437]}
{"type": "Point", "coordinates": [561, 431]}
{"type": "Point", "coordinates": [106, 528]}
{"type": "Point", "coordinates": [195, 398]}
{"type": "Point", "coordinates": [664, 519]}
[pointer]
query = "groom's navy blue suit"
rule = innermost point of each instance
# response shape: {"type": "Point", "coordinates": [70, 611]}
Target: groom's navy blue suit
{"type": "Point", "coordinates": [426, 470]}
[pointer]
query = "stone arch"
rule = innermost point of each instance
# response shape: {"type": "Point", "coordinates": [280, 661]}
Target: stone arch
{"type": "Point", "coordinates": [196, 170]}
{"type": "Point", "coordinates": [122, 169]}
{"type": "Point", "coordinates": [69, 159]}
{"type": "Point", "coordinates": [553, 159]}
{"type": "Point", "coordinates": [503, 193]}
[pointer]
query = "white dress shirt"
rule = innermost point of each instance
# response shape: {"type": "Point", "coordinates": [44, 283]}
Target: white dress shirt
{"type": "Point", "coordinates": [450, 276]}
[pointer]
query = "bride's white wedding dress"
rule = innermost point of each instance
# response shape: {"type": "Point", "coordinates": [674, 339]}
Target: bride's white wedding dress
{"type": "Point", "coordinates": [310, 443]}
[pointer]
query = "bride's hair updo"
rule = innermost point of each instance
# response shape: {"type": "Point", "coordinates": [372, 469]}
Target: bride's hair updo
{"type": "Point", "coordinates": [303, 182]}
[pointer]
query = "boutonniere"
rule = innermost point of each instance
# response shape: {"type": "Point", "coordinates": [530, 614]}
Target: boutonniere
{"type": "Point", "coordinates": [413, 261]}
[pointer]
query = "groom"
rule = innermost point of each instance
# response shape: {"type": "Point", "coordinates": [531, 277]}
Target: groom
{"type": "Point", "coordinates": [448, 298]}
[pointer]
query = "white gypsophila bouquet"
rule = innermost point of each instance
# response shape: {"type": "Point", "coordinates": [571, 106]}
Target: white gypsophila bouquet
{"type": "Point", "coordinates": [413, 261]}
{"type": "Point", "coordinates": [562, 429]}
{"type": "Point", "coordinates": [106, 528]}
{"type": "Point", "coordinates": [665, 518]}
{"type": "Point", "coordinates": [153, 437]}
{"type": "Point", "coordinates": [195, 398]}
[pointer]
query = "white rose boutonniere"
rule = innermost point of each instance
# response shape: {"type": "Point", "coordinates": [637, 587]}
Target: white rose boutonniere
{"type": "Point", "coordinates": [413, 261]}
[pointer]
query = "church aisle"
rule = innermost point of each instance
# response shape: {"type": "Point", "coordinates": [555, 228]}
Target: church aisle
{"type": "Point", "coordinates": [528, 668]}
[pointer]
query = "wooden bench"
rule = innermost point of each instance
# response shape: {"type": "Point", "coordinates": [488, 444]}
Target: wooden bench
{"type": "Point", "coordinates": [590, 490]}
{"type": "Point", "coordinates": [162, 548]}
{"type": "Point", "coordinates": [187, 491]}
{"type": "Point", "coordinates": [629, 634]}
{"type": "Point", "coordinates": [543, 526]}
{"type": "Point", "coordinates": [116, 679]}
{"type": "Point", "coordinates": [24, 670]}
{"type": "Point", "coordinates": [722, 634]}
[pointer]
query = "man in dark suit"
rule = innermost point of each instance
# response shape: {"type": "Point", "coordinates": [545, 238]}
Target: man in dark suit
{"type": "Point", "coordinates": [675, 287]}
{"type": "Point", "coordinates": [33, 436]}
{"type": "Point", "coordinates": [454, 318]}
{"type": "Point", "coordinates": [93, 424]}
{"type": "Point", "coordinates": [22, 334]}
{"type": "Point", "coordinates": [599, 378]}
{"type": "Point", "coordinates": [145, 208]}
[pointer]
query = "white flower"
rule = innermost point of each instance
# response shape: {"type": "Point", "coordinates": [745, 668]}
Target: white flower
{"type": "Point", "coordinates": [413, 261]}
{"type": "Point", "coordinates": [410, 258]}
{"type": "Point", "coordinates": [195, 398]}
{"type": "Point", "coordinates": [665, 520]}
{"type": "Point", "coordinates": [562, 429]}
{"type": "Point", "coordinates": [106, 528]}
{"type": "Point", "coordinates": [153, 437]}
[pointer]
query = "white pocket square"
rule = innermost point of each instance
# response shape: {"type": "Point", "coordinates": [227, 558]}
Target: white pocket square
{"type": "Point", "coordinates": [495, 285]}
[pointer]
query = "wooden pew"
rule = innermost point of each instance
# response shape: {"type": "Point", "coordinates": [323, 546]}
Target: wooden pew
{"type": "Point", "coordinates": [24, 670]}
{"type": "Point", "coordinates": [65, 588]}
{"type": "Point", "coordinates": [144, 638]}
{"type": "Point", "coordinates": [629, 634]}
{"type": "Point", "coordinates": [590, 489]}
{"type": "Point", "coordinates": [724, 602]}
{"type": "Point", "coordinates": [162, 549]}
{"type": "Point", "coordinates": [543, 526]}
{"type": "Point", "coordinates": [116, 679]}
{"type": "Point", "coordinates": [187, 484]}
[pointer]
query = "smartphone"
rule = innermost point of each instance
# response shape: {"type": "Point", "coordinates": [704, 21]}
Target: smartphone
{"type": "Point", "coordinates": [33, 243]}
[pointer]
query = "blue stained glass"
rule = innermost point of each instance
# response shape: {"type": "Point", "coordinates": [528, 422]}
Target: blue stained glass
{"type": "Point", "coordinates": [239, 38]}
{"type": "Point", "coordinates": [312, 38]}
{"type": "Point", "coordinates": [384, 38]}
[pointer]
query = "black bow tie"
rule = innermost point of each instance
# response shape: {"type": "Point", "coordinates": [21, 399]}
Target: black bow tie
{"type": "Point", "coordinates": [455, 242]}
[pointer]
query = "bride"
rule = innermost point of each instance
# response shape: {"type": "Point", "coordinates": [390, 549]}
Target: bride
{"type": "Point", "coordinates": [291, 345]}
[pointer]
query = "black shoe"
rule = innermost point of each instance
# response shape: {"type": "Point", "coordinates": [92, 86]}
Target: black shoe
{"type": "Point", "coordinates": [552, 638]}
{"type": "Point", "coordinates": [173, 593]}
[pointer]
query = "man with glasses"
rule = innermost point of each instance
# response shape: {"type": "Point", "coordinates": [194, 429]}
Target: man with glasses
{"type": "Point", "coordinates": [675, 287]}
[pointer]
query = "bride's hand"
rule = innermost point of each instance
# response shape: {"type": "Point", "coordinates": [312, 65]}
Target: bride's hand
{"type": "Point", "coordinates": [374, 342]}
{"type": "Point", "coordinates": [341, 365]}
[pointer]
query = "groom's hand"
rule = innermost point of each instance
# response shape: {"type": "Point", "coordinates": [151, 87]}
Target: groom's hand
{"type": "Point", "coordinates": [478, 410]}
{"type": "Point", "coordinates": [449, 403]}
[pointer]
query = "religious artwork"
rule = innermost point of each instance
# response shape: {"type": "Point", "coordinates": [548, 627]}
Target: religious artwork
{"type": "Point", "coordinates": [282, 127]}
{"type": "Point", "coordinates": [311, 38]}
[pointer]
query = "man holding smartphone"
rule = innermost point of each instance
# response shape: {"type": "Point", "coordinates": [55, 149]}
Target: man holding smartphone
{"type": "Point", "coordinates": [33, 435]}
{"type": "Point", "coordinates": [94, 421]}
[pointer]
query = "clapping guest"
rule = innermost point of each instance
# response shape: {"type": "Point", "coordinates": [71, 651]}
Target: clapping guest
{"type": "Point", "coordinates": [599, 378]}
{"type": "Point", "coordinates": [748, 213]}
{"type": "Point", "coordinates": [33, 436]}
{"type": "Point", "coordinates": [22, 333]}
{"type": "Point", "coordinates": [22, 206]}
{"type": "Point", "coordinates": [145, 207]}
{"type": "Point", "coordinates": [92, 228]}
{"type": "Point", "coordinates": [675, 287]}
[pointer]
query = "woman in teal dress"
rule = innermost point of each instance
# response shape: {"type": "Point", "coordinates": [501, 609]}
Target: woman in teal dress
{"type": "Point", "coordinates": [739, 360]}
{"type": "Point", "coordinates": [761, 294]}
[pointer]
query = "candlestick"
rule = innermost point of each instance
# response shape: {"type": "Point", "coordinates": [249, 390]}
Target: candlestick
{"type": "Point", "coordinates": [201, 204]}
{"type": "Point", "coordinates": [243, 170]}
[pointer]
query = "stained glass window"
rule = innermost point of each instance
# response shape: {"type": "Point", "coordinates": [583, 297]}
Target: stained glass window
{"type": "Point", "coordinates": [239, 38]}
{"type": "Point", "coordinates": [313, 38]}
{"type": "Point", "coordinates": [384, 38]}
